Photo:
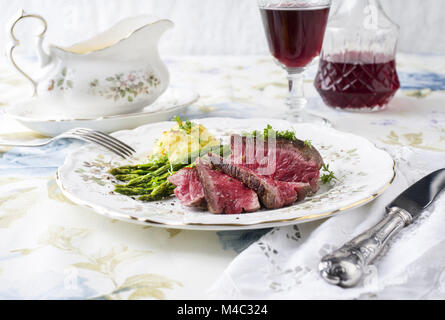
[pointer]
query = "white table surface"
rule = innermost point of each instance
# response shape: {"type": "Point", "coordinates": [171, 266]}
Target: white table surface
{"type": "Point", "coordinates": [52, 248]}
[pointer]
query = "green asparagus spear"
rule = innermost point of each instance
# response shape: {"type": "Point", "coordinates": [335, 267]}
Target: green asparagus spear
{"type": "Point", "coordinates": [143, 168]}
{"type": "Point", "coordinates": [191, 158]}
{"type": "Point", "coordinates": [126, 177]}
{"type": "Point", "coordinates": [133, 191]}
{"type": "Point", "coordinates": [160, 172]}
{"type": "Point", "coordinates": [120, 171]}
{"type": "Point", "coordinates": [163, 191]}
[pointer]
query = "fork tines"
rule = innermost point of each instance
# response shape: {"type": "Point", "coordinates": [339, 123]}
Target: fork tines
{"type": "Point", "coordinates": [105, 140]}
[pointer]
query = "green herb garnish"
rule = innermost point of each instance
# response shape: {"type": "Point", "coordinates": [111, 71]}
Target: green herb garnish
{"type": "Point", "coordinates": [270, 132]}
{"type": "Point", "coordinates": [328, 176]}
{"type": "Point", "coordinates": [308, 143]}
{"type": "Point", "coordinates": [288, 135]}
{"type": "Point", "coordinates": [186, 126]}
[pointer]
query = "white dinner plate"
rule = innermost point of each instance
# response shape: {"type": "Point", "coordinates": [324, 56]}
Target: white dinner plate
{"type": "Point", "coordinates": [33, 115]}
{"type": "Point", "coordinates": [364, 172]}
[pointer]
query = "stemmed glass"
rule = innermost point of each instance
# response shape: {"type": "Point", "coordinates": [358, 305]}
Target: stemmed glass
{"type": "Point", "coordinates": [295, 31]}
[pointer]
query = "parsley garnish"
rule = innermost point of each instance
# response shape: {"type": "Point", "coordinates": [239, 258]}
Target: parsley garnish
{"type": "Point", "coordinates": [288, 135]}
{"type": "Point", "coordinates": [255, 134]}
{"type": "Point", "coordinates": [186, 126]}
{"type": "Point", "coordinates": [269, 131]}
{"type": "Point", "coordinates": [308, 143]}
{"type": "Point", "coordinates": [328, 176]}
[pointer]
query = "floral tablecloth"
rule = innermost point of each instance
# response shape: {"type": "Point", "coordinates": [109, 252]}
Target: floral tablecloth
{"type": "Point", "coordinates": [52, 249]}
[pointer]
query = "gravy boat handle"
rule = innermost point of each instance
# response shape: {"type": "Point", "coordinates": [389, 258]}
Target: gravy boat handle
{"type": "Point", "coordinates": [16, 42]}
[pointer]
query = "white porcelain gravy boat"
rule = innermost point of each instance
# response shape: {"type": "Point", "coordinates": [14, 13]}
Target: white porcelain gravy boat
{"type": "Point", "coordinates": [117, 72]}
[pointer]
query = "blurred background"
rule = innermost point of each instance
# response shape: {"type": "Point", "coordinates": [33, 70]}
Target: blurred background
{"type": "Point", "coordinates": [205, 27]}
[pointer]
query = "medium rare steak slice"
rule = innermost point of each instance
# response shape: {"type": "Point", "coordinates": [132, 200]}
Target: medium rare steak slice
{"type": "Point", "coordinates": [285, 160]}
{"type": "Point", "coordinates": [188, 188]}
{"type": "Point", "coordinates": [223, 193]}
{"type": "Point", "coordinates": [274, 194]}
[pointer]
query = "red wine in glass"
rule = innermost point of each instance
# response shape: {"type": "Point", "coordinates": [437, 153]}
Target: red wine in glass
{"type": "Point", "coordinates": [358, 81]}
{"type": "Point", "coordinates": [295, 34]}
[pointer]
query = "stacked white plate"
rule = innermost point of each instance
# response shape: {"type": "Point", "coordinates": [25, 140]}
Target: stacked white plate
{"type": "Point", "coordinates": [33, 115]}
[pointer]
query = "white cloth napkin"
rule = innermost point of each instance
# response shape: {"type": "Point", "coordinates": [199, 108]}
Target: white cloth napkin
{"type": "Point", "coordinates": [283, 264]}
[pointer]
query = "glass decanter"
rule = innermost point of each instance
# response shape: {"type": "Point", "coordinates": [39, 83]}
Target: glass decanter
{"type": "Point", "coordinates": [357, 70]}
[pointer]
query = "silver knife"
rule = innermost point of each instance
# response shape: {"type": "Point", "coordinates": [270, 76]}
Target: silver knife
{"type": "Point", "coordinates": [346, 266]}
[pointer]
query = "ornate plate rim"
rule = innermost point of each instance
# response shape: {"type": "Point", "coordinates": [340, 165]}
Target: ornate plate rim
{"type": "Point", "coordinates": [224, 226]}
{"type": "Point", "coordinates": [220, 227]}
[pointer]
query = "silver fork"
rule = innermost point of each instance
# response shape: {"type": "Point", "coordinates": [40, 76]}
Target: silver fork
{"type": "Point", "coordinates": [110, 143]}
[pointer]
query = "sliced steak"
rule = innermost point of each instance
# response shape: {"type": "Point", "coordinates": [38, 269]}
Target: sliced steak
{"type": "Point", "coordinates": [286, 160]}
{"type": "Point", "coordinates": [189, 188]}
{"type": "Point", "coordinates": [223, 193]}
{"type": "Point", "coordinates": [274, 194]}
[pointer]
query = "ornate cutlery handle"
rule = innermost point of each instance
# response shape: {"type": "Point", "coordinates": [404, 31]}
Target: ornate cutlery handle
{"type": "Point", "coordinates": [346, 266]}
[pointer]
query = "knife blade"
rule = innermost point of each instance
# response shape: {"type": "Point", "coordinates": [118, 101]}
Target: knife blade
{"type": "Point", "coordinates": [421, 195]}
{"type": "Point", "coordinates": [346, 266]}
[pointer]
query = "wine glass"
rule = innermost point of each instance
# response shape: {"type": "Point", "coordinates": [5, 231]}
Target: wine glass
{"type": "Point", "coordinates": [295, 32]}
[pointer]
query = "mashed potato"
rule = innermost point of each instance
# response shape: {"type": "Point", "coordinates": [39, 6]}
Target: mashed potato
{"type": "Point", "coordinates": [184, 138]}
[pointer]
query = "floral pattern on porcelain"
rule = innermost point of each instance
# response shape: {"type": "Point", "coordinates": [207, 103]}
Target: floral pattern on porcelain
{"type": "Point", "coordinates": [125, 86]}
{"type": "Point", "coordinates": [63, 82]}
